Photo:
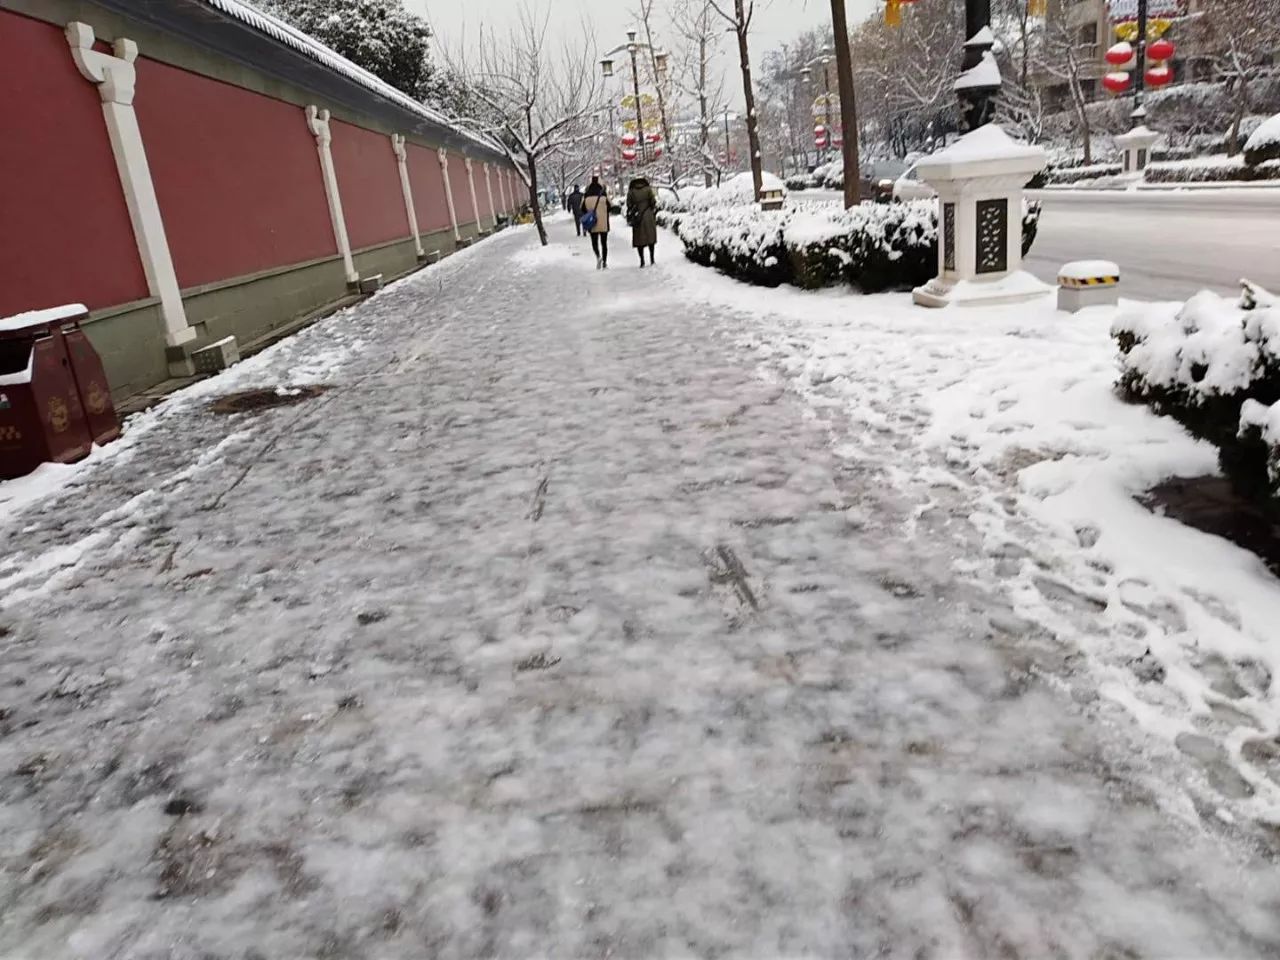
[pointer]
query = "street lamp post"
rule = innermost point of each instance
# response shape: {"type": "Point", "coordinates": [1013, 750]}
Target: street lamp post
{"type": "Point", "coordinates": [977, 90]}
{"type": "Point", "coordinates": [1140, 67]}
{"type": "Point", "coordinates": [635, 88]}
{"type": "Point", "coordinates": [633, 47]}
{"type": "Point", "coordinates": [806, 73]}
{"type": "Point", "coordinates": [979, 181]}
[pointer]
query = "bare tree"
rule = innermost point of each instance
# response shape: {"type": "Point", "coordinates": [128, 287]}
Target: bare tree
{"type": "Point", "coordinates": [739, 18]}
{"type": "Point", "coordinates": [660, 79]}
{"type": "Point", "coordinates": [912, 68]}
{"type": "Point", "coordinates": [1021, 39]}
{"type": "Point", "coordinates": [533, 101]}
{"type": "Point", "coordinates": [695, 21]}
{"type": "Point", "coordinates": [1066, 56]}
{"type": "Point", "coordinates": [1241, 38]}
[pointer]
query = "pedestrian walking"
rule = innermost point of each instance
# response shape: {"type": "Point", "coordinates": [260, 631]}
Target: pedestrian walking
{"type": "Point", "coordinates": [595, 213]}
{"type": "Point", "coordinates": [642, 215]}
{"type": "Point", "coordinates": [574, 205]}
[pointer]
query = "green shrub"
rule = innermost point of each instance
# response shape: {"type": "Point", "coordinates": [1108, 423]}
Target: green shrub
{"type": "Point", "coordinates": [873, 247]}
{"type": "Point", "coordinates": [1214, 366]}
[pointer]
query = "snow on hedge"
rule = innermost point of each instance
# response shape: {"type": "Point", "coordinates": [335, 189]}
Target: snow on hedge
{"type": "Point", "coordinates": [1267, 134]}
{"type": "Point", "coordinates": [1264, 143]}
{"type": "Point", "coordinates": [871, 246]}
{"type": "Point", "coordinates": [1208, 346]}
{"type": "Point", "coordinates": [1213, 365]}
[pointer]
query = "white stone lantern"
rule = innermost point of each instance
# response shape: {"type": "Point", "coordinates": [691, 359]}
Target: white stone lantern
{"type": "Point", "coordinates": [1137, 144]}
{"type": "Point", "coordinates": [979, 180]}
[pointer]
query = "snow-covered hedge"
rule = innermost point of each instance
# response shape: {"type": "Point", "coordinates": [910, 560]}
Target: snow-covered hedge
{"type": "Point", "coordinates": [1212, 364]}
{"type": "Point", "coordinates": [872, 246]}
{"type": "Point", "coordinates": [1264, 143]}
{"type": "Point", "coordinates": [1217, 169]}
{"type": "Point", "coordinates": [1063, 175]}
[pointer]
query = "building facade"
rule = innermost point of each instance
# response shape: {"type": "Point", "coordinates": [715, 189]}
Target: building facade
{"type": "Point", "coordinates": [192, 169]}
{"type": "Point", "coordinates": [1092, 25]}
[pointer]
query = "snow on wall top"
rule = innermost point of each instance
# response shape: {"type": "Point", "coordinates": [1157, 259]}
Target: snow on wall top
{"type": "Point", "coordinates": [34, 318]}
{"type": "Point", "coordinates": [309, 46]}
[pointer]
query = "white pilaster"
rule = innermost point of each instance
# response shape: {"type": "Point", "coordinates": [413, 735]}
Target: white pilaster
{"type": "Point", "coordinates": [448, 192]}
{"type": "Point", "coordinates": [502, 193]}
{"type": "Point", "coordinates": [488, 188]}
{"type": "Point", "coordinates": [402, 161]}
{"type": "Point", "coordinates": [471, 185]}
{"type": "Point", "coordinates": [318, 124]}
{"type": "Point", "coordinates": [115, 76]}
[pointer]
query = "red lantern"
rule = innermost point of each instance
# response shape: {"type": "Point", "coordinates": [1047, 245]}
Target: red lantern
{"type": "Point", "coordinates": [1120, 54]}
{"type": "Point", "coordinates": [1158, 76]}
{"type": "Point", "coordinates": [657, 151]}
{"type": "Point", "coordinates": [1161, 50]}
{"type": "Point", "coordinates": [628, 139]}
{"type": "Point", "coordinates": [628, 155]}
{"type": "Point", "coordinates": [1116, 82]}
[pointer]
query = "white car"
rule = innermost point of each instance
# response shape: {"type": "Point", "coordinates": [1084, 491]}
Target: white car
{"type": "Point", "coordinates": [909, 186]}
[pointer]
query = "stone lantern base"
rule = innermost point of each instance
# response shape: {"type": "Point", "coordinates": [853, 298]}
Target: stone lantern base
{"type": "Point", "coordinates": [979, 180]}
{"type": "Point", "coordinates": [1137, 144]}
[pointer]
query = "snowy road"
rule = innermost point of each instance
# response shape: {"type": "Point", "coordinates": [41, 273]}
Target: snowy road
{"type": "Point", "coordinates": [1169, 245]}
{"type": "Point", "coordinates": [568, 623]}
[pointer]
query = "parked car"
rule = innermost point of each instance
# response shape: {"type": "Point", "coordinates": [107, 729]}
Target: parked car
{"type": "Point", "coordinates": [881, 175]}
{"type": "Point", "coordinates": [909, 186]}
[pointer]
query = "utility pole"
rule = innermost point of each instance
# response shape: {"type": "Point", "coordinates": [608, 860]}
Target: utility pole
{"type": "Point", "coordinates": [848, 106]}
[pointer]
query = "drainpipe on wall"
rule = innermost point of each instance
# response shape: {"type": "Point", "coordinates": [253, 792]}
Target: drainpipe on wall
{"type": "Point", "coordinates": [318, 123]}
{"type": "Point", "coordinates": [448, 193]}
{"type": "Point", "coordinates": [115, 76]}
{"type": "Point", "coordinates": [402, 161]}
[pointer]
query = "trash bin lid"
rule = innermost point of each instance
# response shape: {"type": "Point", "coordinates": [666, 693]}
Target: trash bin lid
{"type": "Point", "coordinates": [36, 323]}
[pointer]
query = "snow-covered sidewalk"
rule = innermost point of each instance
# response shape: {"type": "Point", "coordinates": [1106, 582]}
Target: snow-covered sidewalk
{"type": "Point", "coordinates": [627, 613]}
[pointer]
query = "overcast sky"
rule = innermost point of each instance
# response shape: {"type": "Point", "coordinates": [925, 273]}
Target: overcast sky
{"type": "Point", "coordinates": [776, 21]}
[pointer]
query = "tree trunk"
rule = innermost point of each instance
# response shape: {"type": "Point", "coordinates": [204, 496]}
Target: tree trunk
{"type": "Point", "coordinates": [848, 106]}
{"type": "Point", "coordinates": [748, 95]}
{"type": "Point", "coordinates": [1082, 115]}
{"type": "Point", "coordinates": [705, 124]}
{"type": "Point", "coordinates": [1242, 104]}
{"type": "Point", "coordinates": [662, 100]}
{"type": "Point", "coordinates": [534, 203]}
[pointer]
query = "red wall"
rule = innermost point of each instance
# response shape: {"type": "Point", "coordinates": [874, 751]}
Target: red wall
{"type": "Point", "coordinates": [236, 173]}
{"type": "Point", "coordinates": [427, 181]}
{"type": "Point", "coordinates": [369, 181]}
{"type": "Point", "coordinates": [65, 234]}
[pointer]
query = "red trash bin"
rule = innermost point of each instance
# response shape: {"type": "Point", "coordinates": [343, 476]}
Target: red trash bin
{"type": "Point", "coordinates": [43, 374]}
{"type": "Point", "coordinates": [91, 383]}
